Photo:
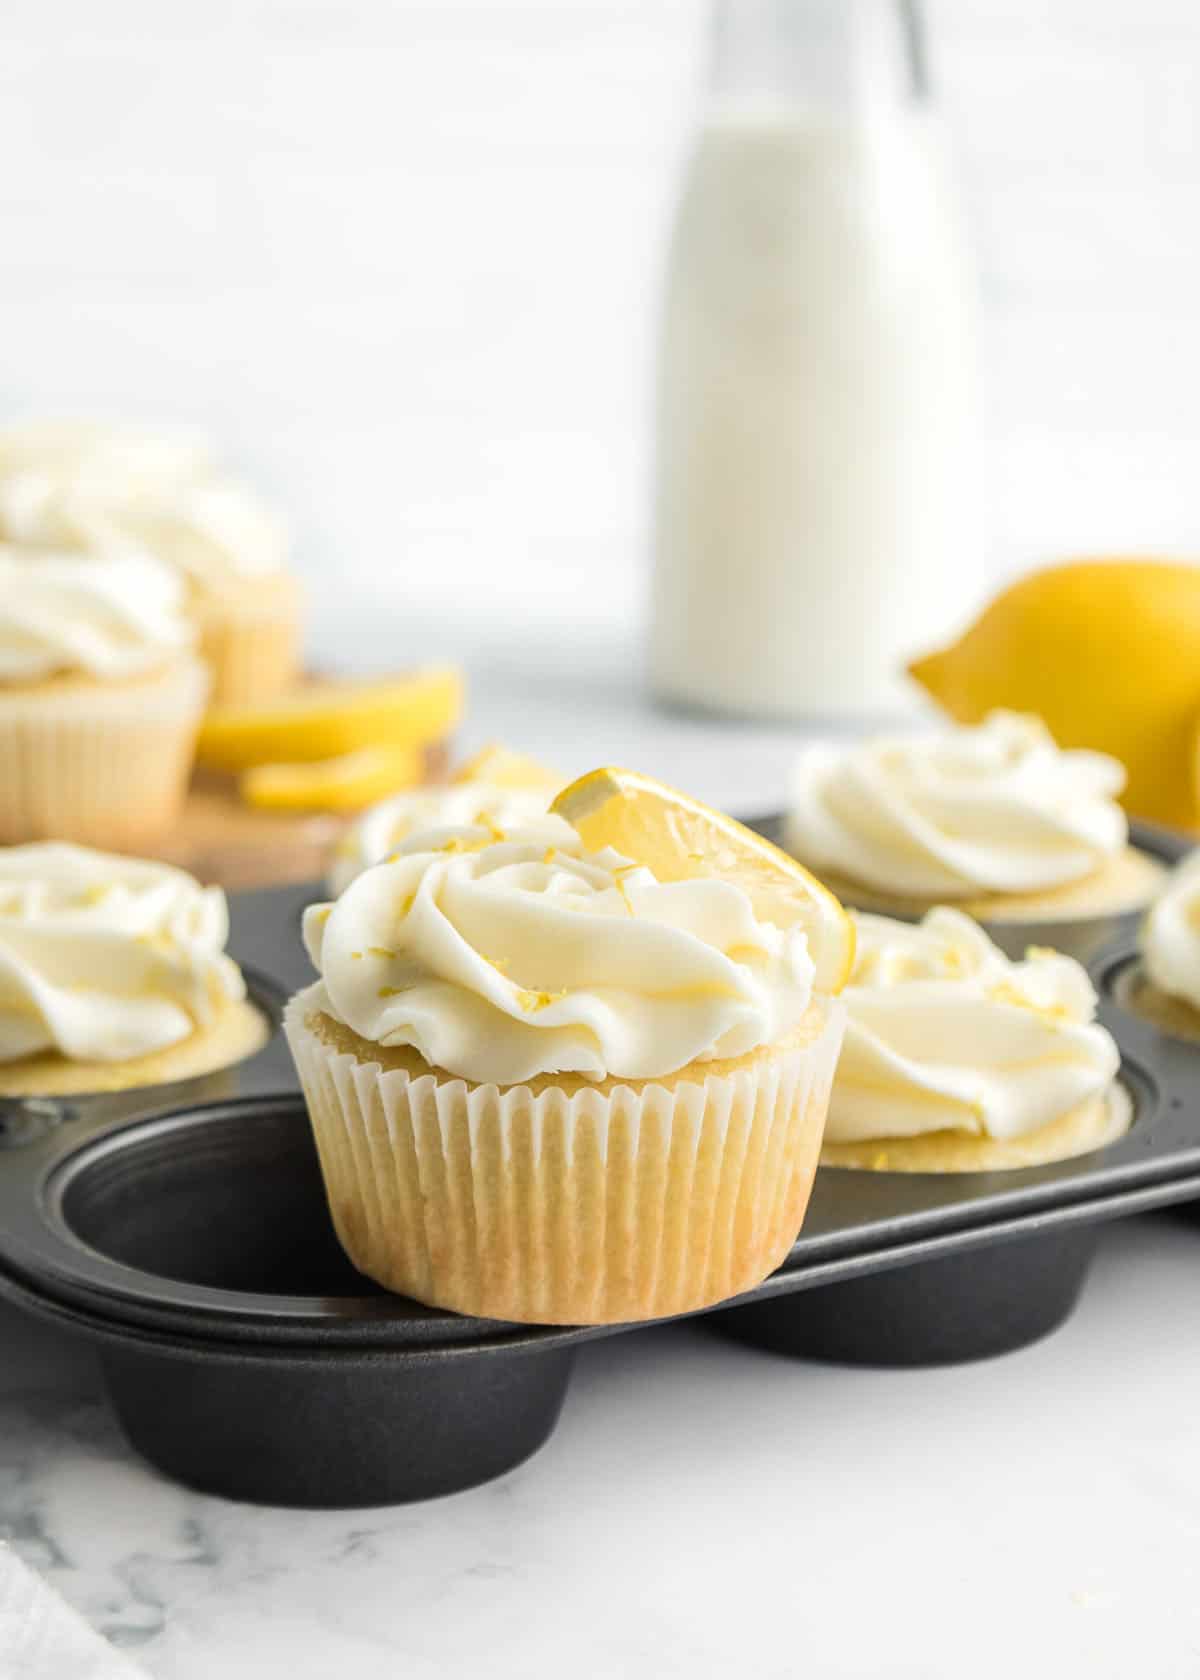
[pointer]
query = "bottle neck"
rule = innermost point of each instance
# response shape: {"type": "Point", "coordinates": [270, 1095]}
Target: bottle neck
{"type": "Point", "coordinates": [839, 57]}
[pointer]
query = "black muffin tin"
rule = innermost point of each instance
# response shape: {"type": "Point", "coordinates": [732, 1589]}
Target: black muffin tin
{"type": "Point", "coordinates": [183, 1231]}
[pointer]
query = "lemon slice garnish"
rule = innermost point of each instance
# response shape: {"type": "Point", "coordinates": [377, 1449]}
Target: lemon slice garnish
{"type": "Point", "coordinates": [346, 783]}
{"type": "Point", "coordinates": [680, 839]}
{"type": "Point", "coordinates": [328, 719]}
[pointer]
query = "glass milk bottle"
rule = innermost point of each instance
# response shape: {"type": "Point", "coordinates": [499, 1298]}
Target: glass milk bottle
{"type": "Point", "coordinates": [816, 519]}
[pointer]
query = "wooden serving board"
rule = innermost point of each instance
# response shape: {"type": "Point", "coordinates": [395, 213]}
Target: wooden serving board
{"type": "Point", "coordinates": [226, 843]}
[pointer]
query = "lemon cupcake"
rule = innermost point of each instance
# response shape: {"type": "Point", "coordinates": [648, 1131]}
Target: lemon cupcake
{"type": "Point", "coordinates": [549, 1084]}
{"type": "Point", "coordinates": [959, 1060]}
{"type": "Point", "coordinates": [102, 490]}
{"type": "Point", "coordinates": [994, 819]}
{"type": "Point", "coordinates": [101, 697]}
{"type": "Point", "coordinates": [1165, 986]}
{"type": "Point", "coordinates": [113, 975]}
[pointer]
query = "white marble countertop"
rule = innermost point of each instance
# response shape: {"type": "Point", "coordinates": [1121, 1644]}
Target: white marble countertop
{"type": "Point", "coordinates": [702, 1510]}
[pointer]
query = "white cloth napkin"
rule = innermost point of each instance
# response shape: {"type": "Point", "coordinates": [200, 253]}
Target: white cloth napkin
{"type": "Point", "coordinates": [42, 1638]}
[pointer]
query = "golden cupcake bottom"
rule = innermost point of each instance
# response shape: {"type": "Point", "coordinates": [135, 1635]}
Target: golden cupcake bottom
{"type": "Point", "coordinates": [1121, 885]}
{"type": "Point", "coordinates": [565, 1201]}
{"type": "Point", "coordinates": [239, 1030]}
{"type": "Point", "coordinates": [250, 635]}
{"type": "Point", "coordinates": [102, 763]}
{"type": "Point", "coordinates": [1094, 1124]}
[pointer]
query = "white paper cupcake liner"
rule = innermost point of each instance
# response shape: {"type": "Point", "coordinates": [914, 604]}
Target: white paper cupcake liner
{"type": "Point", "coordinates": [104, 764]}
{"type": "Point", "coordinates": [567, 1206]}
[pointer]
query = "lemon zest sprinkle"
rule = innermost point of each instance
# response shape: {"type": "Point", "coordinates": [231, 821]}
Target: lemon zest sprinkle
{"type": "Point", "coordinates": [531, 1002]}
{"type": "Point", "coordinates": [457, 844]}
{"type": "Point", "coordinates": [1006, 992]}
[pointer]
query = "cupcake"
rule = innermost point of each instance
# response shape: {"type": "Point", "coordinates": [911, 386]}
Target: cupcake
{"type": "Point", "coordinates": [101, 697]}
{"type": "Point", "coordinates": [959, 1060]}
{"type": "Point", "coordinates": [99, 490]}
{"type": "Point", "coordinates": [113, 975]}
{"type": "Point", "coordinates": [1165, 986]}
{"type": "Point", "coordinates": [993, 819]}
{"type": "Point", "coordinates": [549, 1086]}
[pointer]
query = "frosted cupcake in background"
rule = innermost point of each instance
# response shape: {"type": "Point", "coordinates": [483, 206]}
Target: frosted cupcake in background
{"type": "Point", "coordinates": [993, 819]}
{"type": "Point", "coordinates": [958, 1060]}
{"type": "Point", "coordinates": [1165, 987]}
{"type": "Point", "coordinates": [379, 831]}
{"type": "Point", "coordinates": [547, 1085]}
{"type": "Point", "coordinates": [496, 788]}
{"type": "Point", "coordinates": [106, 491]}
{"type": "Point", "coordinates": [113, 975]}
{"type": "Point", "coordinates": [101, 696]}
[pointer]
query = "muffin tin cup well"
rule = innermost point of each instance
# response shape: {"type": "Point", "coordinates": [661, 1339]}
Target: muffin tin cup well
{"type": "Point", "coordinates": [930, 1312]}
{"type": "Point", "coordinates": [185, 1232]}
{"type": "Point", "coordinates": [318, 1426]}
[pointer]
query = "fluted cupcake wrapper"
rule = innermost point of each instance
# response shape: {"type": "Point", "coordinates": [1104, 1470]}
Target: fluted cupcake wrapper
{"type": "Point", "coordinates": [550, 1206]}
{"type": "Point", "coordinates": [251, 640]}
{"type": "Point", "coordinates": [103, 764]}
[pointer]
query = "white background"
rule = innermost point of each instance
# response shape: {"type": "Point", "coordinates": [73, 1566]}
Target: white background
{"type": "Point", "coordinates": [400, 257]}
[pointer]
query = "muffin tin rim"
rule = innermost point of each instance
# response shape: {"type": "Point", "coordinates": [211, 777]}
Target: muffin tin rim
{"type": "Point", "coordinates": [76, 1271]}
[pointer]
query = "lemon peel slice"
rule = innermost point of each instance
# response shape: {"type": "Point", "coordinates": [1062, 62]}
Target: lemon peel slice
{"type": "Point", "coordinates": [681, 839]}
{"type": "Point", "coordinates": [330, 719]}
{"type": "Point", "coordinates": [345, 783]}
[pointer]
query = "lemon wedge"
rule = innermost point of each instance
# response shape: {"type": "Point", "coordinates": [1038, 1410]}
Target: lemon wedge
{"type": "Point", "coordinates": [500, 767]}
{"type": "Point", "coordinates": [346, 783]}
{"type": "Point", "coordinates": [330, 719]}
{"type": "Point", "coordinates": [1107, 654]}
{"type": "Point", "coordinates": [680, 839]}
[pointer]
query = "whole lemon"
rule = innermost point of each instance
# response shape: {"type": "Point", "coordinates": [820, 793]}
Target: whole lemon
{"type": "Point", "coordinates": [1107, 652]}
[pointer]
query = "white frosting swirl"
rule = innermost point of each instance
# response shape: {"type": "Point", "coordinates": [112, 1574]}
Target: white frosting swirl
{"type": "Point", "coordinates": [499, 959]}
{"type": "Point", "coordinates": [71, 613]}
{"type": "Point", "coordinates": [1171, 934]}
{"type": "Point", "coordinates": [379, 831]}
{"type": "Point", "coordinates": [995, 808]}
{"type": "Point", "coordinates": [944, 1032]}
{"type": "Point", "coordinates": [105, 491]}
{"type": "Point", "coordinates": [103, 958]}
